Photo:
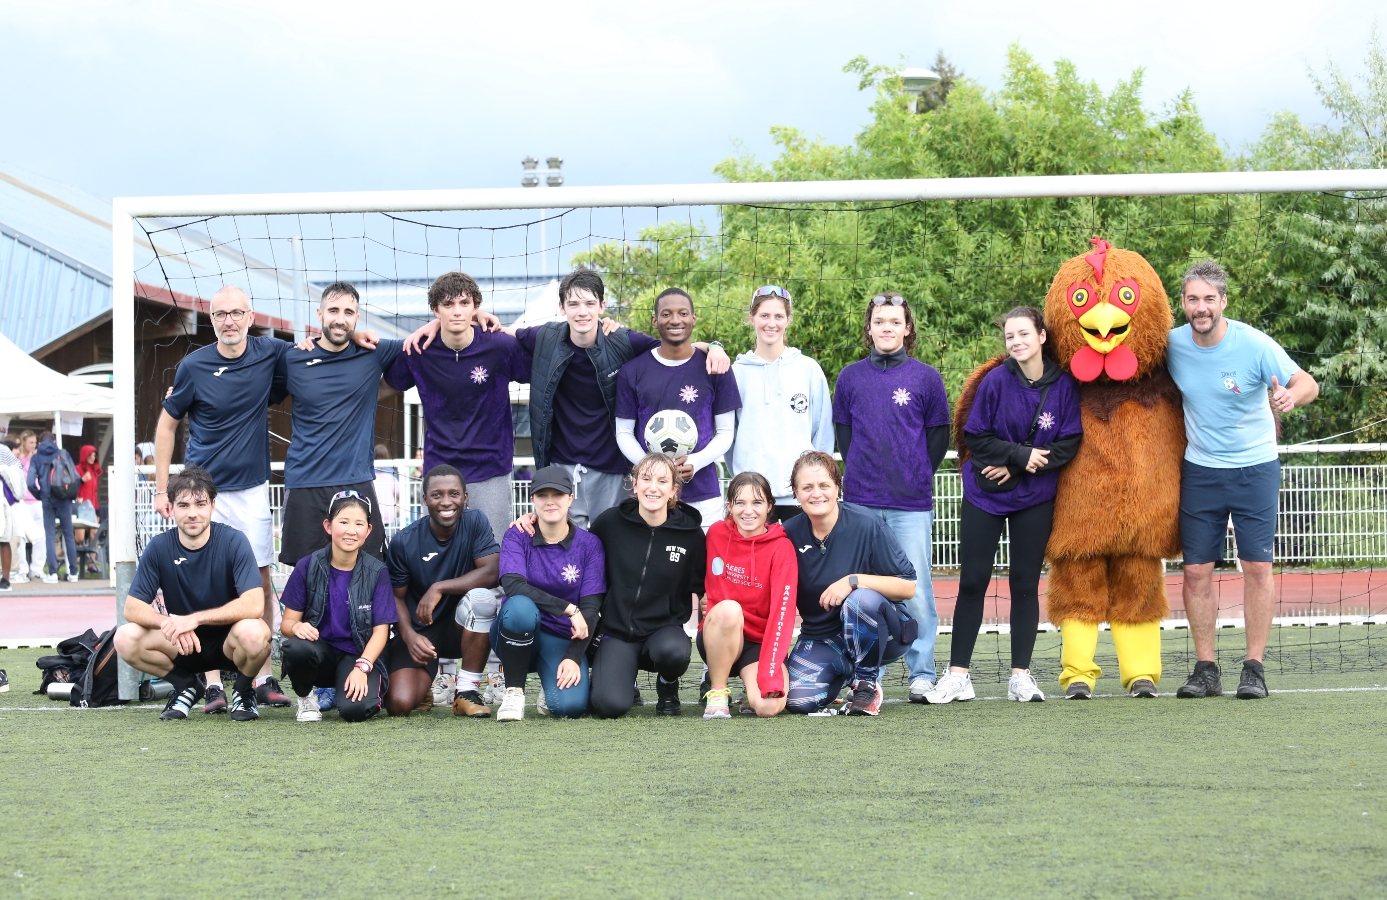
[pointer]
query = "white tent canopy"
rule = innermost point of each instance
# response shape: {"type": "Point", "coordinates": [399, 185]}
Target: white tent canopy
{"type": "Point", "coordinates": [31, 390]}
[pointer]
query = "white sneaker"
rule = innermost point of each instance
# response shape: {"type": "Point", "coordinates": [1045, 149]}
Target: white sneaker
{"type": "Point", "coordinates": [72, 578]}
{"type": "Point", "coordinates": [717, 707]}
{"type": "Point", "coordinates": [308, 708]}
{"type": "Point", "coordinates": [1022, 688]}
{"type": "Point", "coordinates": [513, 706]}
{"type": "Point", "coordinates": [50, 579]}
{"type": "Point", "coordinates": [19, 578]}
{"type": "Point", "coordinates": [541, 706]}
{"type": "Point", "coordinates": [36, 572]}
{"type": "Point", "coordinates": [495, 688]}
{"type": "Point", "coordinates": [919, 687]}
{"type": "Point", "coordinates": [953, 686]}
{"type": "Point", "coordinates": [444, 687]}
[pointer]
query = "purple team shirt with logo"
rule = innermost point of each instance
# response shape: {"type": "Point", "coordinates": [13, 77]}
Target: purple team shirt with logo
{"type": "Point", "coordinates": [466, 399]}
{"type": "Point", "coordinates": [645, 386]}
{"type": "Point", "coordinates": [887, 465]}
{"type": "Point", "coordinates": [569, 574]}
{"type": "Point", "coordinates": [335, 629]}
{"type": "Point", "coordinates": [1006, 407]}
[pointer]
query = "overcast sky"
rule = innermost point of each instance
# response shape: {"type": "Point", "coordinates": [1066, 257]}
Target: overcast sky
{"type": "Point", "coordinates": [210, 97]}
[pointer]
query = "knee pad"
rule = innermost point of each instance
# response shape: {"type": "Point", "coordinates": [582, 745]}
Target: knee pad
{"type": "Point", "coordinates": [477, 609]}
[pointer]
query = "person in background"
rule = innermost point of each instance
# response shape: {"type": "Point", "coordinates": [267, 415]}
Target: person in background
{"type": "Point", "coordinates": [88, 507]}
{"type": "Point", "coordinates": [55, 509]}
{"type": "Point", "coordinates": [786, 406]}
{"type": "Point", "coordinates": [751, 582]}
{"type": "Point", "coordinates": [11, 489]}
{"type": "Point", "coordinates": [892, 418]}
{"type": "Point", "coordinates": [554, 582]}
{"type": "Point", "coordinates": [33, 508]}
{"type": "Point", "coordinates": [387, 488]}
{"type": "Point", "coordinates": [1022, 427]}
{"type": "Point", "coordinates": [338, 609]}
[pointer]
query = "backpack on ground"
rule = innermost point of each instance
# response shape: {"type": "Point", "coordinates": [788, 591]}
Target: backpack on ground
{"type": "Point", "coordinates": [68, 663]}
{"type": "Point", "coordinates": [63, 482]}
{"type": "Point", "coordinates": [99, 683]}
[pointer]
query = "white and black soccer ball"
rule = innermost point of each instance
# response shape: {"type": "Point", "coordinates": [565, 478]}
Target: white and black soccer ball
{"type": "Point", "coordinates": [671, 432]}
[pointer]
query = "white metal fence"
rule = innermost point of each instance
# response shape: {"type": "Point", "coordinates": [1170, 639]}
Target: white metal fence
{"type": "Point", "coordinates": [1329, 514]}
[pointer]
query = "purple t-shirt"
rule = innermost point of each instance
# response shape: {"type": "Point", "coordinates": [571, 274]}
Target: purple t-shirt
{"type": "Point", "coordinates": [889, 409]}
{"type": "Point", "coordinates": [466, 399]}
{"type": "Point", "coordinates": [1006, 407]}
{"type": "Point", "coordinates": [644, 386]}
{"type": "Point", "coordinates": [335, 629]}
{"type": "Point", "coordinates": [582, 432]}
{"type": "Point", "coordinates": [569, 573]}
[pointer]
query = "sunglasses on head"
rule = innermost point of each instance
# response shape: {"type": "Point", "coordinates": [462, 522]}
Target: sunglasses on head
{"type": "Point", "coordinates": [771, 290]}
{"type": "Point", "coordinates": [882, 300]}
{"type": "Point", "coordinates": [343, 495]}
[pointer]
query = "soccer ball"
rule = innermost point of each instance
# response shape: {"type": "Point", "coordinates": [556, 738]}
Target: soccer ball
{"type": "Point", "coordinates": [671, 432]}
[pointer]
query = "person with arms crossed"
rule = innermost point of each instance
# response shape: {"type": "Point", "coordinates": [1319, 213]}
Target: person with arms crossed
{"type": "Point", "coordinates": [786, 406]}
{"type": "Point", "coordinates": [751, 581]}
{"type": "Point", "coordinates": [675, 375]}
{"type": "Point", "coordinates": [433, 563]}
{"type": "Point", "coordinates": [335, 385]}
{"type": "Point", "coordinates": [892, 419]}
{"type": "Point", "coordinates": [854, 579]}
{"type": "Point", "coordinates": [1023, 425]}
{"type": "Point", "coordinates": [338, 609]}
{"type": "Point", "coordinates": [1224, 369]}
{"type": "Point", "coordinates": [212, 603]}
{"type": "Point", "coordinates": [554, 582]}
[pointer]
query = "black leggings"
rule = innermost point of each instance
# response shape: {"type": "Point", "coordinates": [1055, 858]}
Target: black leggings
{"type": "Point", "coordinates": [310, 664]}
{"type": "Point", "coordinates": [979, 533]}
{"type": "Point", "coordinates": [614, 667]}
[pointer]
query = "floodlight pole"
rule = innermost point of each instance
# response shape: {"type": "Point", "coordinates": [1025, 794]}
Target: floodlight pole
{"type": "Point", "coordinates": [122, 486]}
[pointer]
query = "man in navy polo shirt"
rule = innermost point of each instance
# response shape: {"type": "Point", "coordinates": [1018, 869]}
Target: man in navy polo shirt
{"type": "Point", "coordinates": [335, 386]}
{"type": "Point", "coordinates": [212, 601]}
{"type": "Point", "coordinates": [675, 376]}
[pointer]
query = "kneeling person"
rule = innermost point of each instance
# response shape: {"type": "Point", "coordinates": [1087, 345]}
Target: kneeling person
{"type": "Point", "coordinates": [213, 601]}
{"type": "Point", "coordinates": [443, 568]}
{"type": "Point", "coordinates": [338, 609]}
{"type": "Point", "coordinates": [554, 582]}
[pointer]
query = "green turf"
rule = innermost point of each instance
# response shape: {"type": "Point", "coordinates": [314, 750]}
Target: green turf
{"type": "Point", "coordinates": [1110, 798]}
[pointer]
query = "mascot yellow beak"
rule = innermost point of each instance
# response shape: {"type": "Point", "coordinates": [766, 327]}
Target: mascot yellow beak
{"type": "Point", "coordinates": [1105, 326]}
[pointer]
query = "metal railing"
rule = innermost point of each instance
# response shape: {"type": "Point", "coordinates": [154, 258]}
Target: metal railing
{"type": "Point", "coordinates": [1328, 515]}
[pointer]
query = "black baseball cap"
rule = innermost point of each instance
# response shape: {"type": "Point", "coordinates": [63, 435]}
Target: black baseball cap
{"type": "Point", "coordinates": [555, 477]}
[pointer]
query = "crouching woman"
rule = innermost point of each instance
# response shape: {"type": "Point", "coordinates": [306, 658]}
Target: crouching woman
{"type": "Point", "coordinates": [338, 609]}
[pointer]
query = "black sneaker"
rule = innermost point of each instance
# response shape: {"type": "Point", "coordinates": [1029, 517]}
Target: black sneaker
{"type": "Point", "coordinates": [216, 700]}
{"type": "Point", "coordinates": [1204, 681]}
{"type": "Point", "coordinates": [704, 687]}
{"type": "Point", "coordinates": [4, 682]}
{"type": "Point", "coordinates": [243, 707]}
{"type": "Point", "coordinates": [667, 702]}
{"type": "Point", "coordinates": [1078, 690]}
{"type": "Point", "coordinates": [4, 585]}
{"type": "Point", "coordinates": [269, 694]}
{"type": "Point", "coordinates": [1253, 683]}
{"type": "Point", "coordinates": [866, 699]}
{"type": "Point", "coordinates": [182, 702]}
{"type": "Point", "coordinates": [1143, 689]}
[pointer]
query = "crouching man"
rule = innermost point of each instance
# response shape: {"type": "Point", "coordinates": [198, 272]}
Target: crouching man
{"type": "Point", "coordinates": [213, 602]}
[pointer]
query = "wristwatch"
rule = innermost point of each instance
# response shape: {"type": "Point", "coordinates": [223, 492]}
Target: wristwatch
{"type": "Point", "coordinates": [852, 582]}
{"type": "Point", "coordinates": [364, 665]}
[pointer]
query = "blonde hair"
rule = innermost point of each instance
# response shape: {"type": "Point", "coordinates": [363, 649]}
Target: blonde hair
{"type": "Point", "coordinates": [655, 461]}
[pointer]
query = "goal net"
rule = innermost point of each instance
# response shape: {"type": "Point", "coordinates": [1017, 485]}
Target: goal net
{"type": "Point", "coordinates": [1305, 251]}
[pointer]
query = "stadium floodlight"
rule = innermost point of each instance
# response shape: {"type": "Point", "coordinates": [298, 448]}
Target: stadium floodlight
{"type": "Point", "coordinates": [552, 176]}
{"type": "Point", "coordinates": [916, 82]}
{"type": "Point", "coordinates": [574, 208]}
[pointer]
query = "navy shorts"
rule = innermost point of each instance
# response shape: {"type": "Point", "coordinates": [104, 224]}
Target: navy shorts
{"type": "Point", "coordinates": [1209, 496]}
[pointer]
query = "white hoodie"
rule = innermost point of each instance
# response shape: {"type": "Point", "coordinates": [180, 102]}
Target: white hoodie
{"type": "Point", "coordinates": [786, 410]}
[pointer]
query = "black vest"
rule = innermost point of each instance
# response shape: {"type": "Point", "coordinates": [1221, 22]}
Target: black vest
{"type": "Point", "coordinates": [361, 591]}
{"type": "Point", "coordinates": [551, 358]}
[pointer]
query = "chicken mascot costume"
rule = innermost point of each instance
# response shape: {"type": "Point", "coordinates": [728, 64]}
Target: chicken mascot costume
{"type": "Point", "coordinates": [1117, 513]}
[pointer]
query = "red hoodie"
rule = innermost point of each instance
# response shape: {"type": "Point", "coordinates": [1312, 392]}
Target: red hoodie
{"type": "Point", "coordinates": [761, 574]}
{"type": "Point", "coordinates": [88, 489]}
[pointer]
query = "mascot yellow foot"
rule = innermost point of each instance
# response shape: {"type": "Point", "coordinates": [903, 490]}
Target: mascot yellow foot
{"type": "Point", "coordinates": [1138, 652]}
{"type": "Point", "coordinates": [1080, 643]}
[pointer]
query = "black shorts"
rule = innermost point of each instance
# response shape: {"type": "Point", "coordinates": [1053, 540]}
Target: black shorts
{"type": "Point", "coordinates": [212, 656]}
{"type": "Point", "coordinates": [750, 655]}
{"type": "Point", "coordinates": [446, 636]}
{"type": "Point", "coordinates": [304, 512]}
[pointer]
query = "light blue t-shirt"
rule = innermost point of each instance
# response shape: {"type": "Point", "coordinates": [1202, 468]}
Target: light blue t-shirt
{"type": "Point", "coordinates": [1228, 418]}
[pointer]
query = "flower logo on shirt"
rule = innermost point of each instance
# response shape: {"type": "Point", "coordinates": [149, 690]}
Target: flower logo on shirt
{"type": "Point", "coordinates": [569, 573]}
{"type": "Point", "coordinates": [902, 396]}
{"type": "Point", "coordinates": [689, 394]}
{"type": "Point", "coordinates": [479, 375]}
{"type": "Point", "coordinates": [1046, 421]}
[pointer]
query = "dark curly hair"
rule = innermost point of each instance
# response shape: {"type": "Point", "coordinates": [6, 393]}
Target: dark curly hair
{"type": "Point", "coordinates": [454, 284]}
{"type": "Point", "coordinates": [909, 321]}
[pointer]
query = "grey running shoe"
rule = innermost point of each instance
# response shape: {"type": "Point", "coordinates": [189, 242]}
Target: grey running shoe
{"type": "Point", "coordinates": [1204, 681]}
{"type": "Point", "coordinates": [1253, 683]}
{"type": "Point", "coordinates": [1078, 690]}
{"type": "Point", "coordinates": [1143, 688]}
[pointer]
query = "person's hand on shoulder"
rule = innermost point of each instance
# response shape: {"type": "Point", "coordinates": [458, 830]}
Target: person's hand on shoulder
{"type": "Point", "coordinates": [426, 333]}
{"type": "Point", "coordinates": [526, 523]}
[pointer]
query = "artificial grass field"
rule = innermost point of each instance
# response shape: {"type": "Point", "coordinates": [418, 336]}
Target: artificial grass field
{"type": "Point", "coordinates": [1110, 798]}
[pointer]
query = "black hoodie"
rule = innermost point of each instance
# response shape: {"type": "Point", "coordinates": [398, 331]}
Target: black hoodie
{"type": "Point", "coordinates": [652, 573]}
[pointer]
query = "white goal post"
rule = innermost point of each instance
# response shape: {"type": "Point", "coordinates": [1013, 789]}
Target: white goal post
{"type": "Point", "coordinates": [126, 209]}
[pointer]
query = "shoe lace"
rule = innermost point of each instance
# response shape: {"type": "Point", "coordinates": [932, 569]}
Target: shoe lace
{"type": "Point", "coordinates": [722, 694]}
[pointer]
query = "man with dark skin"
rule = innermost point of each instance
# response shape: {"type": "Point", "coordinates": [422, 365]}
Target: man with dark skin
{"type": "Point", "coordinates": [433, 563]}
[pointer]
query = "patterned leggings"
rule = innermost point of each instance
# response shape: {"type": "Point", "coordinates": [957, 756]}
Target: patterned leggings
{"type": "Point", "coordinates": [875, 632]}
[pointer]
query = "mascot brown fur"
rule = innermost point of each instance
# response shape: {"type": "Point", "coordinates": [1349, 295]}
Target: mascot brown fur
{"type": "Point", "coordinates": [1117, 513]}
